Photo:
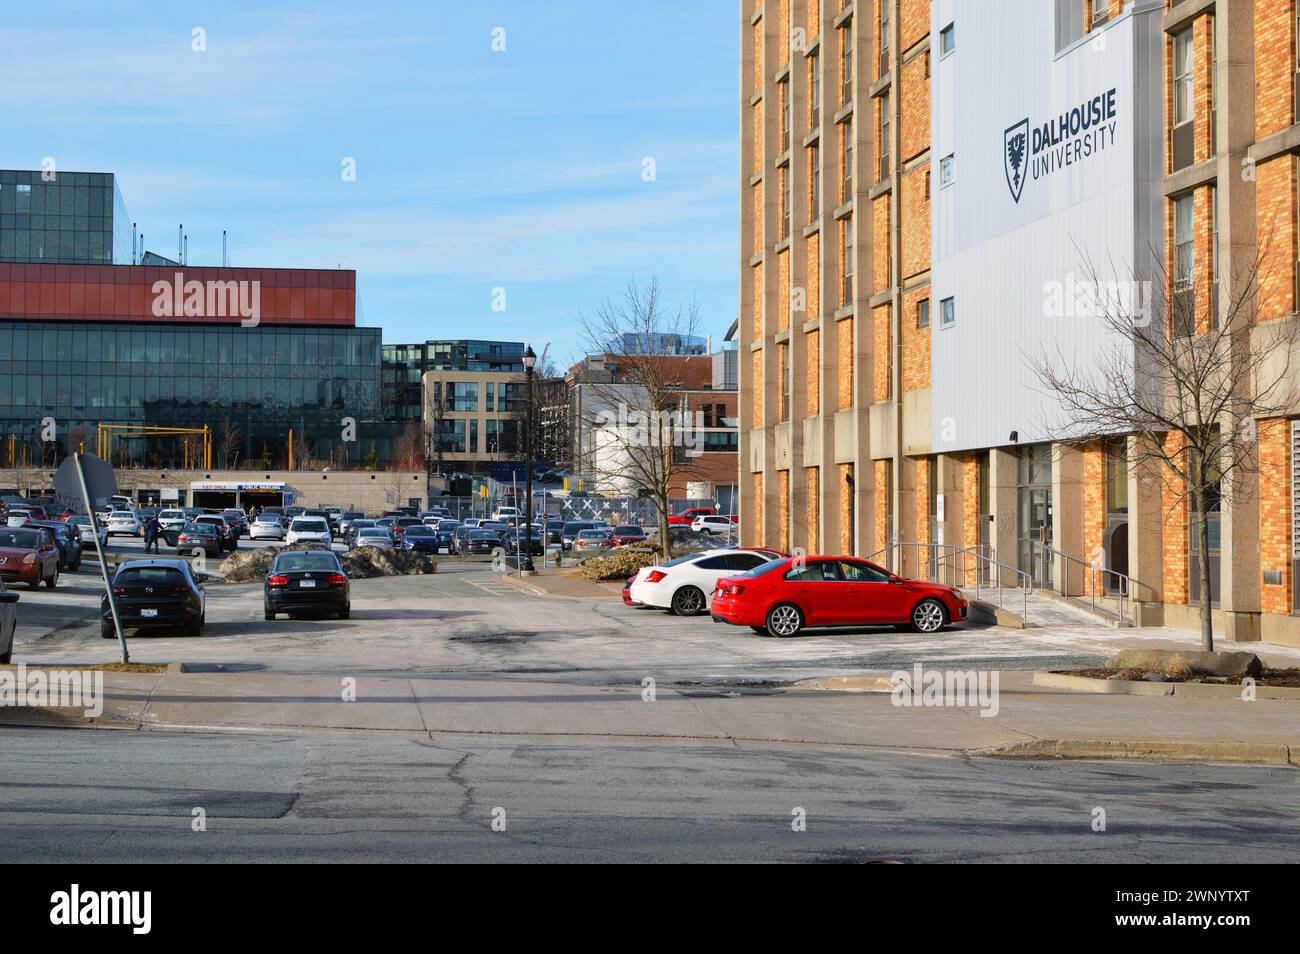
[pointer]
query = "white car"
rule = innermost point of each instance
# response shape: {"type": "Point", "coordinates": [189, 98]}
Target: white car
{"type": "Point", "coordinates": [267, 527]}
{"type": "Point", "coordinates": [89, 538]}
{"type": "Point", "coordinates": [18, 518]}
{"type": "Point", "coordinates": [713, 523]}
{"type": "Point", "coordinates": [503, 514]}
{"type": "Point", "coordinates": [685, 585]}
{"type": "Point", "coordinates": [123, 521]}
{"type": "Point", "coordinates": [172, 520]}
{"type": "Point", "coordinates": [374, 537]}
{"type": "Point", "coordinates": [309, 530]}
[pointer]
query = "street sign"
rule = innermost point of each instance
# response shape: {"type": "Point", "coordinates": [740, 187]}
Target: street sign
{"type": "Point", "coordinates": [100, 482]}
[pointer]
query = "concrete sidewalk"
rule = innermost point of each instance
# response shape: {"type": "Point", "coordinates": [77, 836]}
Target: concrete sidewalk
{"type": "Point", "coordinates": [551, 582]}
{"type": "Point", "coordinates": [1031, 721]}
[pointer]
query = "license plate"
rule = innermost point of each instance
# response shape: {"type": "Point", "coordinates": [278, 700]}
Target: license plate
{"type": "Point", "coordinates": [148, 612]}
{"type": "Point", "coordinates": [306, 584]}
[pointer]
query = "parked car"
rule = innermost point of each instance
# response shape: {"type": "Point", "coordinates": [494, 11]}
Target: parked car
{"type": "Point", "coordinates": [156, 592]}
{"type": "Point", "coordinates": [555, 531]}
{"type": "Point", "coordinates": [8, 623]}
{"type": "Point", "coordinates": [96, 536]}
{"type": "Point", "coordinates": [446, 531]}
{"type": "Point", "coordinates": [685, 585]}
{"type": "Point", "coordinates": [501, 513]}
{"type": "Point", "coordinates": [355, 526]}
{"type": "Point", "coordinates": [535, 544]}
{"type": "Point", "coordinates": [783, 597]}
{"type": "Point", "coordinates": [238, 519]}
{"type": "Point", "coordinates": [420, 539]}
{"type": "Point", "coordinates": [17, 516]}
{"type": "Point", "coordinates": [29, 555]}
{"type": "Point", "coordinates": [401, 524]}
{"type": "Point", "coordinates": [200, 536]}
{"type": "Point", "coordinates": [309, 530]}
{"type": "Point", "coordinates": [714, 524]}
{"type": "Point", "coordinates": [345, 522]}
{"type": "Point", "coordinates": [335, 515]}
{"type": "Point", "coordinates": [627, 592]}
{"type": "Point", "coordinates": [588, 540]}
{"type": "Point", "coordinates": [687, 517]}
{"type": "Point", "coordinates": [571, 530]}
{"type": "Point", "coordinates": [67, 538]}
{"type": "Point", "coordinates": [278, 513]}
{"type": "Point", "coordinates": [481, 541]}
{"type": "Point", "coordinates": [471, 522]}
{"type": "Point", "coordinates": [171, 523]}
{"type": "Point", "coordinates": [306, 580]}
{"type": "Point", "coordinates": [267, 526]}
{"type": "Point", "coordinates": [372, 537]}
{"type": "Point", "coordinates": [225, 529]}
{"type": "Point", "coordinates": [123, 523]}
{"type": "Point", "coordinates": [626, 534]}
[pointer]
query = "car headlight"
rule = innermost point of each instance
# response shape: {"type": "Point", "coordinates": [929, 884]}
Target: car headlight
{"type": "Point", "coordinates": [956, 592]}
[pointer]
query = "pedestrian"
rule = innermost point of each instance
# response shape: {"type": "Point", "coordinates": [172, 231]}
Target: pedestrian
{"type": "Point", "coordinates": [151, 534]}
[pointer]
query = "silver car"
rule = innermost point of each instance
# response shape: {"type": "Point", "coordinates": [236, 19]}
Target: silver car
{"type": "Point", "coordinates": [374, 537]}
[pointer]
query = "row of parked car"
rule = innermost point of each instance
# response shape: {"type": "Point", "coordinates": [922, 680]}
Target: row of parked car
{"type": "Point", "coordinates": [779, 595]}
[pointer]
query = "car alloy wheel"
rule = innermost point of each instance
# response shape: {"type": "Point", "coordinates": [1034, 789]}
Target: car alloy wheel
{"type": "Point", "coordinates": [928, 616]}
{"type": "Point", "coordinates": [784, 620]}
{"type": "Point", "coordinates": [688, 601]}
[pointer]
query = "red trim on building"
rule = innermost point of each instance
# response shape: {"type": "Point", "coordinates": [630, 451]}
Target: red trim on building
{"type": "Point", "coordinates": [286, 296]}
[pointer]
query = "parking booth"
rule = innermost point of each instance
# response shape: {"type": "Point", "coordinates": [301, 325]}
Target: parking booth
{"type": "Point", "coordinates": [243, 494]}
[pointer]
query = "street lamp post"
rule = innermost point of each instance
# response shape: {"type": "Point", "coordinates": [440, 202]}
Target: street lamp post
{"type": "Point", "coordinates": [525, 554]}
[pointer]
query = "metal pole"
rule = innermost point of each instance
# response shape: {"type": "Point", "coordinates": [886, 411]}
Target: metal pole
{"type": "Point", "coordinates": [103, 559]}
{"type": "Point", "coordinates": [526, 562]}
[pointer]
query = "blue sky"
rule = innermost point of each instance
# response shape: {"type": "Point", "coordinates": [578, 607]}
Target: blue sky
{"type": "Point", "coordinates": [475, 169]}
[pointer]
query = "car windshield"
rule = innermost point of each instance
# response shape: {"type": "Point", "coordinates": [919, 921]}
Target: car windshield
{"type": "Point", "coordinates": [165, 575]}
{"type": "Point", "coordinates": [593, 534]}
{"type": "Point", "coordinates": [265, 519]}
{"type": "Point", "coordinates": [627, 531]}
{"type": "Point", "coordinates": [171, 515]}
{"type": "Point", "coordinates": [419, 531]}
{"type": "Point", "coordinates": [482, 535]}
{"type": "Point", "coordinates": [305, 561]}
{"type": "Point", "coordinates": [373, 532]}
{"type": "Point", "coordinates": [201, 530]}
{"type": "Point", "coordinates": [21, 539]}
{"type": "Point", "coordinates": [121, 515]}
{"type": "Point", "coordinates": [313, 525]}
{"type": "Point", "coordinates": [79, 521]}
{"type": "Point", "coordinates": [352, 515]}
{"type": "Point", "coordinates": [447, 524]}
{"type": "Point", "coordinates": [764, 568]}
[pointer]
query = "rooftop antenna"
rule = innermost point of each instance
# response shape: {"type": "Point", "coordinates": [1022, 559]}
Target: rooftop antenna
{"type": "Point", "coordinates": [134, 244]}
{"type": "Point", "coordinates": [223, 249]}
{"type": "Point", "coordinates": [185, 258]}
{"type": "Point", "coordinates": [141, 248]}
{"type": "Point", "coordinates": [180, 242]}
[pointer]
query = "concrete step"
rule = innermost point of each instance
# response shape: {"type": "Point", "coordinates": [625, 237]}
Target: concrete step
{"type": "Point", "coordinates": [1106, 612]}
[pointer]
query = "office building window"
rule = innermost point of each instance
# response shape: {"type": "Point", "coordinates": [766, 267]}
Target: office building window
{"type": "Point", "coordinates": [884, 135]}
{"type": "Point", "coordinates": [814, 178]}
{"type": "Point", "coordinates": [947, 312]}
{"type": "Point", "coordinates": [1184, 314]}
{"type": "Point", "coordinates": [947, 171]}
{"type": "Point", "coordinates": [814, 92]}
{"type": "Point", "coordinates": [947, 40]}
{"type": "Point", "coordinates": [923, 313]}
{"type": "Point", "coordinates": [1183, 102]}
{"type": "Point", "coordinates": [784, 98]}
{"type": "Point", "coordinates": [884, 36]}
{"type": "Point", "coordinates": [846, 263]}
{"type": "Point", "coordinates": [1069, 22]}
{"type": "Point", "coordinates": [846, 64]}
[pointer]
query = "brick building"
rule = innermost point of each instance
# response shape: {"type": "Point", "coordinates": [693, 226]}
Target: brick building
{"type": "Point", "coordinates": [894, 259]}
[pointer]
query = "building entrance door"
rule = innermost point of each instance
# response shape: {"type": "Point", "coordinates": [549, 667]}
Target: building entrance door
{"type": "Point", "coordinates": [1035, 524]}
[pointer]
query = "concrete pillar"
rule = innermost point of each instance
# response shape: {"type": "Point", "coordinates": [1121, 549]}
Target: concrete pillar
{"type": "Point", "coordinates": [905, 517]}
{"type": "Point", "coordinates": [1239, 567]}
{"type": "Point", "coordinates": [1004, 506]}
{"type": "Point", "coordinates": [1069, 577]}
{"type": "Point", "coordinates": [1145, 536]}
{"type": "Point", "coordinates": [951, 491]}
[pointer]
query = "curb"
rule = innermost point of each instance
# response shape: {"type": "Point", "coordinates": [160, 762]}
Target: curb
{"type": "Point", "coordinates": [1185, 690]}
{"type": "Point", "coordinates": [1261, 753]}
{"type": "Point", "coordinates": [874, 683]}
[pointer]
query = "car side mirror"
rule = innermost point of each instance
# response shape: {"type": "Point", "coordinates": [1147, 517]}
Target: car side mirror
{"type": "Point", "coordinates": [896, 579]}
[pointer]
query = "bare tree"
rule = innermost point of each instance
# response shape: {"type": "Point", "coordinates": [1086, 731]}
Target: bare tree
{"type": "Point", "coordinates": [408, 453]}
{"type": "Point", "coordinates": [640, 432]}
{"type": "Point", "coordinates": [1189, 381]}
{"type": "Point", "coordinates": [229, 438]}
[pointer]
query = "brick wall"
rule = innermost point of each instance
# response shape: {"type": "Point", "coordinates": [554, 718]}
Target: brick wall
{"type": "Point", "coordinates": [756, 41]}
{"type": "Point", "coordinates": [916, 343]}
{"type": "Point", "coordinates": [1275, 514]}
{"type": "Point", "coordinates": [846, 529]}
{"type": "Point", "coordinates": [844, 347]}
{"type": "Point", "coordinates": [1275, 204]}
{"type": "Point", "coordinates": [757, 387]}
{"type": "Point", "coordinates": [756, 137]}
{"type": "Point", "coordinates": [783, 510]}
{"type": "Point", "coordinates": [1175, 529]}
{"type": "Point", "coordinates": [811, 498]}
{"type": "Point", "coordinates": [1094, 504]}
{"type": "Point", "coordinates": [970, 508]}
{"type": "Point", "coordinates": [756, 534]}
{"type": "Point", "coordinates": [812, 18]}
{"type": "Point", "coordinates": [813, 250]}
{"type": "Point", "coordinates": [913, 22]}
{"type": "Point", "coordinates": [880, 243]}
{"type": "Point", "coordinates": [882, 505]}
{"type": "Point", "coordinates": [921, 499]}
{"type": "Point", "coordinates": [880, 330]}
{"type": "Point", "coordinates": [756, 207]}
{"type": "Point", "coordinates": [783, 38]}
{"type": "Point", "coordinates": [783, 290]}
{"type": "Point", "coordinates": [914, 215]}
{"type": "Point", "coordinates": [812, 373]}
{"type": "Point", "coordinates": [1274, 58]}
{"type": "Point", "coordinates": [756, 319]}
{"type": "Point", "coordinates": [914, 121]}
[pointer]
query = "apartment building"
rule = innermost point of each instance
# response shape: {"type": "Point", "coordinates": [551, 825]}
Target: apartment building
{"type": "Point", "coordinates": [917, 176]}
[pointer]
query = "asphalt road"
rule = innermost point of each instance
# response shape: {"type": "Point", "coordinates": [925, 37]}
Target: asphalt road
{"type": "Point", "coordinates": [92, 796]}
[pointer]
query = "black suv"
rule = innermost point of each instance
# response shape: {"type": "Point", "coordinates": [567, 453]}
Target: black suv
{"type": "Point", "coordinates": [66, 537]}
{"type": "Point", "coordinates": [155, 593]}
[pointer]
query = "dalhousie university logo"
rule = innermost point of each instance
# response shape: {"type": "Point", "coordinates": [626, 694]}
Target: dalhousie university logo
{"type": "Point", "coordinates": [1015, 143]}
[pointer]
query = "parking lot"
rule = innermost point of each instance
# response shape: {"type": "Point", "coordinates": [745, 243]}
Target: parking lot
{"type": "Point", "coordinates": [468, 619]}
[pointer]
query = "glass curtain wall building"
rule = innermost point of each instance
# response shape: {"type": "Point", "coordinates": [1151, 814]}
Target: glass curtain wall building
{"type": "Point", "coordinates": [64, 217]}
{"type": "Point", "coordinates": [404, 366]}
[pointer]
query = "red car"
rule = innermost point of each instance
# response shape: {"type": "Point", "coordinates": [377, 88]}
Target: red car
{"type": "Point", "coordinates": [623, 535]}
{"type": "Point", "coordinates": [687, 517]}
{"type": "Point", "coordinates": [783, 597]}
{"type": "Point", "coordinates": [627, 592]}
{"type": "Point", "coordinates": [29, 555]}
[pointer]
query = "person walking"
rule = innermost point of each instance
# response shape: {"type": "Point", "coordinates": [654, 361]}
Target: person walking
{"type": "Point", "coordinates": [151, 534]}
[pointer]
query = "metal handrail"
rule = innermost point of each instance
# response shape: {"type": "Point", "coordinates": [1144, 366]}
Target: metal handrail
{"type": "Point", "coordinates": [1124, 593]}
{"type": "Point", "coordinates": [980, 558]}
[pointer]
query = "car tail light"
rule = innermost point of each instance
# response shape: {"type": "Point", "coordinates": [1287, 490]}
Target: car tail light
{"type": "Point", "coordinates": [119, 591]}
{"type": "Point", "coordinates": [731, 589]}
{"type": "Point", "coordinates": [654, 576]}
{"type": "Point", "coordinates": [278, 580]}
{"type": "Point", "coordinates": [336, 579]}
